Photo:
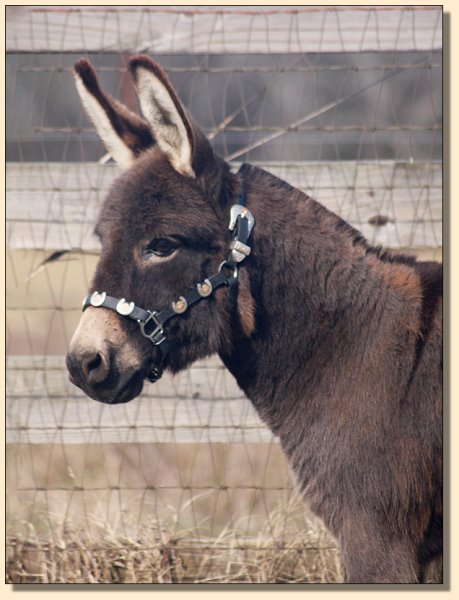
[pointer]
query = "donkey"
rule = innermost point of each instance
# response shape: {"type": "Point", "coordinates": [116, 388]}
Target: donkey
{"type": "Point", "coordinates": [338, 344]}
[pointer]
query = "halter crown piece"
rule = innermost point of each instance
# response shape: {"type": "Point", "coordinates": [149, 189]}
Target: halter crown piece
{"type": "Point", "coordinates": [152, 322]}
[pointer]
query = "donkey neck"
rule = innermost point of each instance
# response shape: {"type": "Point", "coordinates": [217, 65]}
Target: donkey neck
{"type": "Point", "coordinates": [308, 272]}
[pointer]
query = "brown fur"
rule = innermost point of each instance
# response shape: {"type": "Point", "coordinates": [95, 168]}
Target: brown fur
{"type": "Point", "coordinates": [245, 305]}
{"type": "Point", "coordinates": [337, 344]}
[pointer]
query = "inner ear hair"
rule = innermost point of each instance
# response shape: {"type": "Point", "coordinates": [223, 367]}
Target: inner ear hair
{"type": "Point", "coordinates": [124, 134]}
{"type": "Point", "coordinates": [164, 113]}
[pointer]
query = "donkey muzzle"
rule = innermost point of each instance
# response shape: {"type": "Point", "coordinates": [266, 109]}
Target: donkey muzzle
{"type": "Point", "coordinates": [101, 360]}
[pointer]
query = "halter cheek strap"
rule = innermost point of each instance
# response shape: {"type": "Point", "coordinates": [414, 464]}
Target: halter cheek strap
{"type": "Point", "coordinates": [152, 322]}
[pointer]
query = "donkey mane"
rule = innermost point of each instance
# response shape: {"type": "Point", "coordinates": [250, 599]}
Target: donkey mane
{"type": "Point", "coordinates": [340, 224]}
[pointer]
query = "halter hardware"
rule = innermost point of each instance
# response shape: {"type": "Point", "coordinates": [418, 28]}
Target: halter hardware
{"type": "Point", "coordinates": [152, 322]}
{"type": "Point", "coordinates": [156, 336]}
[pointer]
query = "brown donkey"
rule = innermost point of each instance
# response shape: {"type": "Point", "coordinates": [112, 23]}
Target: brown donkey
{"type": "Point", "coordinates": [336, 343]}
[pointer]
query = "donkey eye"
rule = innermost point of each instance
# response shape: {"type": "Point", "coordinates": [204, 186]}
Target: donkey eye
{"type": "Point", "coordinates": [161, 247]}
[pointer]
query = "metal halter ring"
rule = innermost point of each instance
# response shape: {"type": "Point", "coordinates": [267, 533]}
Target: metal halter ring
{"type": "Point", "coordinates": [228, 265]}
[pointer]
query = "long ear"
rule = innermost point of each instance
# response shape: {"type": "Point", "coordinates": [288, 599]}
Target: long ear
{"type": "Point", "coordinates": [124, 134]}
{"type": "Point", "coordinates": [165, 114]}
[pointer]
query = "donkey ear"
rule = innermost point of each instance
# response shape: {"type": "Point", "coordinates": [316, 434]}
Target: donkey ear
{"type": "Point", "coordinates": [164, 112]}
{"type": "Point", "coordinates": [124, 134]}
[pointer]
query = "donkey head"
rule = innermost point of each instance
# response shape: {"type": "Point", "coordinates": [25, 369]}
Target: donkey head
{"type": "Point", "coordinates": [163, 227]}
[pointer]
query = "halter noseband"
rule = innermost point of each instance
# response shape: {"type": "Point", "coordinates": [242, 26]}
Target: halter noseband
{"type": "Point", "coordinates": [152, 322]}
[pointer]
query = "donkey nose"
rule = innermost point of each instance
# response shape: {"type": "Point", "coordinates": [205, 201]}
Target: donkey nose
{"type": "Point", "coordinates": [88, 367]}
{"type": "Point", "coordinates": [95, 367]}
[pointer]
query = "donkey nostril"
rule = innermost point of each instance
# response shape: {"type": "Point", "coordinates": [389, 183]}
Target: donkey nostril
{"type": "Point", "coordinates": [94, 364]}
{"type": "Point", "coordinates": [95, 368]}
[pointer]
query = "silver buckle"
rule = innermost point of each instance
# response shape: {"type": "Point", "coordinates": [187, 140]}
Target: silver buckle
{"type": "Point", "coordinates": [239, 210]}
{"type": "Point", "coordinates": [157, 336]}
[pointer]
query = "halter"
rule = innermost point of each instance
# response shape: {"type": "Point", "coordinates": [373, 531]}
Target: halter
{"type": "Point", "coordinates": [152, 322]}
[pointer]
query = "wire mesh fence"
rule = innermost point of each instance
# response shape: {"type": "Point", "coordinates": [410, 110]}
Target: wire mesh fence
{"type": "Point", "coordinates": [185, 483]}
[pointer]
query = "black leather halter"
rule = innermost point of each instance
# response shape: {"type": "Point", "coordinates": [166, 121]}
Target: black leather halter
{"type": "Point", "coordinates": [152, 322]}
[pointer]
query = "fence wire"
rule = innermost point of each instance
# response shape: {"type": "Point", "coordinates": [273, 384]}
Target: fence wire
{"type": "Point", "coordinates": [185, 483]}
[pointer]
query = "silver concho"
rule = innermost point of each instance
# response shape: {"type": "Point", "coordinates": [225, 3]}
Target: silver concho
{"type": "Point", "coordinates": [180, 306]}
{"type": "Point", "coordinates": [97, 299]}
{"type": "Point", "coordinates": [204, 288]}
{"type": "Point", "coordinates": [124, 308]}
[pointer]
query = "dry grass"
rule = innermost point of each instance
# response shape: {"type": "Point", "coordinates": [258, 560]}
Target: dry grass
{"type": "Point", "coordinates": [64, 524]}
{"type": "Point", "coordinates": [159, 557]}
